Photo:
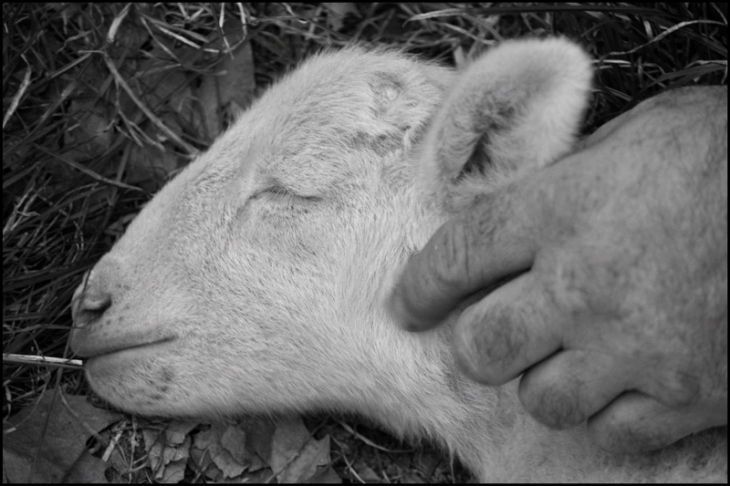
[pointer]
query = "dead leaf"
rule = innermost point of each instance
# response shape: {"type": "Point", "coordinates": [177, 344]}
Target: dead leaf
{"type": "Point", "coordinates": [327, 475]}
{"type": "Point", "coordinates": [234, 440]}
{"type": "Point", "coordinates": [225, 463]}
{"type": "Point", "coordinates": [86, 469]}
{"type": "Point", "coordinates": [166, 451]}
{"type": "Point", "coordinates": [176, 432]}
{"type": "Point", "coordinates": [295, 455]}
{"type": "Point", "coordinates": [48, 434]}
{"type": "Point", "coordinates": [259, 435]}
{"type": "Point", "coordinates": [224, 97]}
{"type": "Point", "coordinates": [174, 472]}
{"type": "Point", "coordinates": [338, 12]}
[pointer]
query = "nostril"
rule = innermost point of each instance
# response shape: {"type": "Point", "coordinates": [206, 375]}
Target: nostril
{"type": "Point", "coordinates": [89, 305]}
{"type": "Point", "coordinates": [96, 302]}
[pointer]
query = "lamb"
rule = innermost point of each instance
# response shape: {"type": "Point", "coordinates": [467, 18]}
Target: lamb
{"type": "Point", "coordinates": [256, 280]}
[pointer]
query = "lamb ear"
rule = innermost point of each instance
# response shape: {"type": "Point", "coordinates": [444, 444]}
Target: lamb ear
{"type": "Point", "coordinates": [515, 109]}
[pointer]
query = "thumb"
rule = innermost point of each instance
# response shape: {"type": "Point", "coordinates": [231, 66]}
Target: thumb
{"type": "Point", "coordinates": [482, 246]}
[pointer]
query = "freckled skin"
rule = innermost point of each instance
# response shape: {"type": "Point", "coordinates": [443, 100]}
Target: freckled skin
{"type": "Point", "coordinates": [622, 316]}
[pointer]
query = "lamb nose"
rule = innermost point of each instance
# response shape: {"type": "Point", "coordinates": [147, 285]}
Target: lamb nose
{"type": "Point", "coordinates": [89, 304]}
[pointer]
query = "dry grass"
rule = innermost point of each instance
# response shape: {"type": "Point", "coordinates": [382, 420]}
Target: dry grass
{"type": "Point", "coordinates": [81, 113]}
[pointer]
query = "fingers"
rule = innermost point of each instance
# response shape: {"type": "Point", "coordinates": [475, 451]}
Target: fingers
{"type": "Point", "coordinates": [571, 386]}
{"type": "Point", "coordinates": [504, 333]}
{"type": "Point", "coordinates": [489, 241]}
{"type": "Point", "coordinates": [635, 422]}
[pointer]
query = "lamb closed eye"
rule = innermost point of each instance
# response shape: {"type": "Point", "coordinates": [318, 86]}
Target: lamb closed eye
{"type": "Point", "coordinates": [279, 191]}
{"type": "Point", "coordinates": [282, 191]}
{"type": "Point", "coordinates": [272, 190]}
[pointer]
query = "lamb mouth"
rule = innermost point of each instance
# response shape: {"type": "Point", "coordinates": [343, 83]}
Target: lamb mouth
{"type": "Point", "coordinates": [124, 348]}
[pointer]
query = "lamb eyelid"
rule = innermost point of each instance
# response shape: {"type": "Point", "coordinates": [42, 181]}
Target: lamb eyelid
{"type": "Point", "coordinates": [283, 191]}
{"type": "Point", "coordinates": [277, 189]}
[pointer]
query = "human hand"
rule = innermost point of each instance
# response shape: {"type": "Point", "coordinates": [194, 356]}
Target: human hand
{"type": "Point", "coordinates": [620, 316]}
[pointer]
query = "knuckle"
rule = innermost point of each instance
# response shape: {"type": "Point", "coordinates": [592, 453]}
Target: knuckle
{"type": "Point", "coordinates": [633, 423]}
{"type": "Point", "coordinates": [551, 404]}
{"type": "Point", "coordinates": [488, 345]}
